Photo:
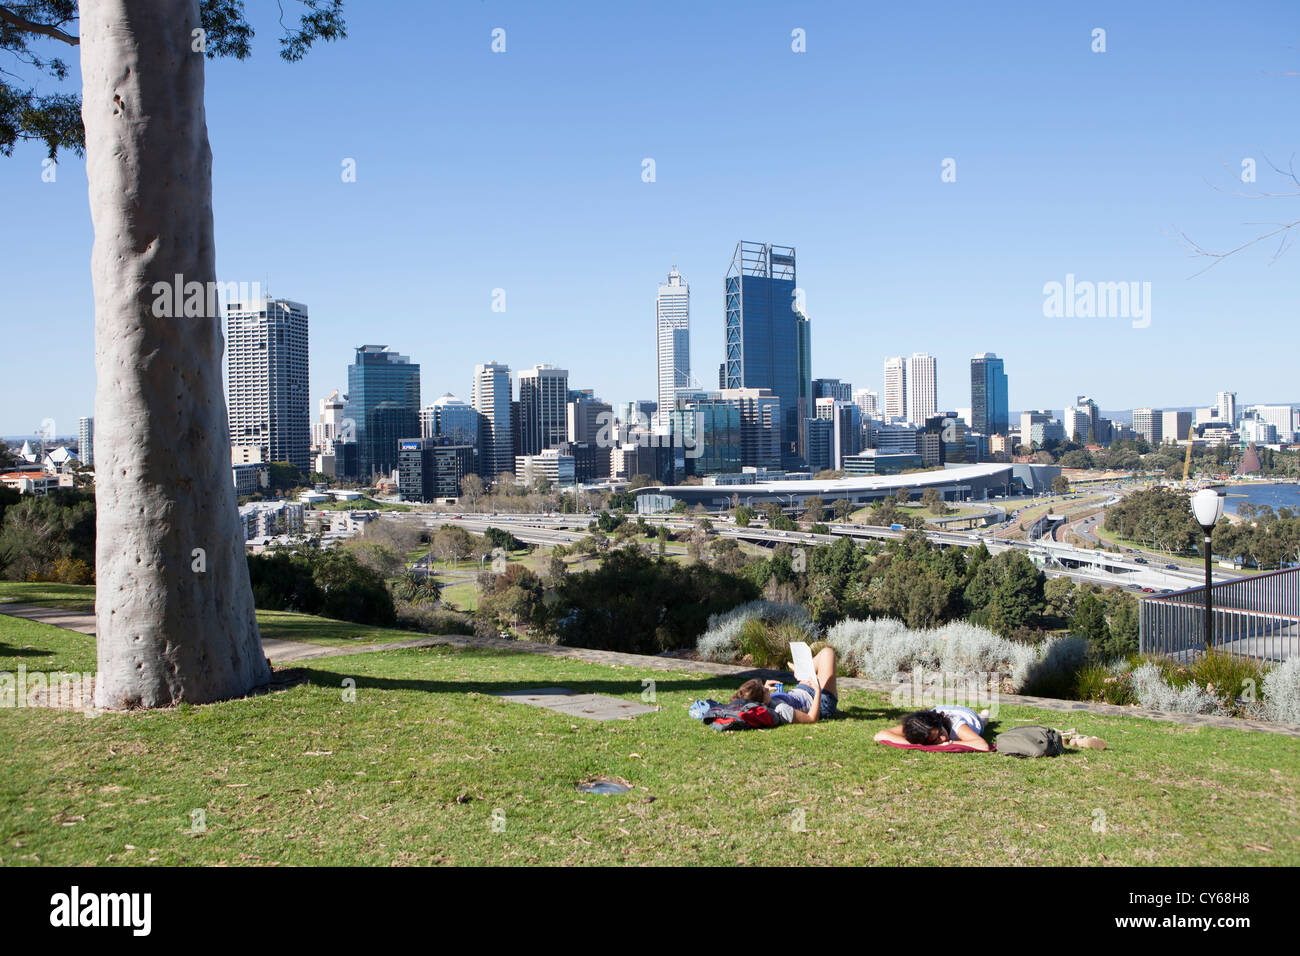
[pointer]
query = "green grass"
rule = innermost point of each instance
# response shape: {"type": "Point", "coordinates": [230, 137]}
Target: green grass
{"type": "Point", "coordinates": [359, 504]}
{"type": "Point", "coordinates": [70, 597]}
{"type": "Point", "coordinates": [413, 770]}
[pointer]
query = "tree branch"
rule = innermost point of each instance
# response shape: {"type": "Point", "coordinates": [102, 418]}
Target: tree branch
{"type": "Point", "coordinates": [29, 26]}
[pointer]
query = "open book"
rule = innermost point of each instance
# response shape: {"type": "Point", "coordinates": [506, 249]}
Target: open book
{"type": "Point", "coordinates": [801, 658]}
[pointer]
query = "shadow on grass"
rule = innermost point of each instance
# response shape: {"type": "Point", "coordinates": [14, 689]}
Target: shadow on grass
{"type": "Point", "coordinates": [7, 650]}
{"type": "Point", "coordinates": [705, 686]}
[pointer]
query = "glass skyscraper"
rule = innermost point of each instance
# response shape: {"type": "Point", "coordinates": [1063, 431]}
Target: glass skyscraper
{"type": "Point", "coordinates": [383, 406]}
{"type": "Point", "coordinates": [767, 338]}
{"type": "Point", "coordinates": [989, 412]}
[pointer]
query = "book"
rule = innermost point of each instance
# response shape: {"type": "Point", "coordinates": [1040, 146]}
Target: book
{"type": "Point", "coordinates": [801, 658]}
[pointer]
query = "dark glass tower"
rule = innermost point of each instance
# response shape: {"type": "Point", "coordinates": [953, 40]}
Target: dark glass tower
{"type": "Point", "coordinates": [988, 395]}
{"type": "Point", "coordinates": [767, 341]}
{"type": "Point", "coordinates": [383, 406]}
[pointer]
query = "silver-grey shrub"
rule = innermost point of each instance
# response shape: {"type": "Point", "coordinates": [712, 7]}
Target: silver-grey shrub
{"type": "Point", "coordinates": [1154, 694]}
{"type": "Point", "coordinates": [882, 648]}
{"type": "Point", "coordinates": [721, 642]}
{"type": "Point", "coordinates": [1282, 692]}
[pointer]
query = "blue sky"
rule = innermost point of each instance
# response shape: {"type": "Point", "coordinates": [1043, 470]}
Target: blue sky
{"type": "Point", "coordinates": [522, 171]}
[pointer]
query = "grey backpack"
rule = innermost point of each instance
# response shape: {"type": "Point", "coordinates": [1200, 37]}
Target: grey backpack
{"type": "Point", "coordinates": [1032, 741]}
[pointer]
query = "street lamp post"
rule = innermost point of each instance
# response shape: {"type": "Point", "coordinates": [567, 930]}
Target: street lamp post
{"type": "Point", "coordinates": [1207, 507]}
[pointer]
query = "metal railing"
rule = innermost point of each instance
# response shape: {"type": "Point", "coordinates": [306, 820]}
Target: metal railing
{"type": "Point", "coordinates": [1257, 616]}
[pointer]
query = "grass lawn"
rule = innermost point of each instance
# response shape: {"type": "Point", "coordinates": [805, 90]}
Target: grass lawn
{"type": "Point", "coordinates": [70, 597]}
{"type": "Point", "coordinates": [414, 769]}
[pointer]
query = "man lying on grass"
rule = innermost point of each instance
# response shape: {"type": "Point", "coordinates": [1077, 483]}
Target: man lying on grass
{"type": "Point", "coordinates": [805, 703]}
{"type": "Point", "coordinates": [943, 724]}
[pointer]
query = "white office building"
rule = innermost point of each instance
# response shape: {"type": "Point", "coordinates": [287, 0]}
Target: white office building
{"type": "Point", "coordinates": [1226, 403]}
{"type": "Point", "coordinates": [543, 408]}
{"type": "Point", "coordinates": [895, 389]}
{"type": "Point", "coordinates": [86, 441]}
{"type": "Point", "coordinates": [922, 388]}
{"type": "Point", "coordinates": [673, 340]}
{"type": "Point", "coordinates": [490, 396]}
{"type": "Point", "coordinates": [266, 343]}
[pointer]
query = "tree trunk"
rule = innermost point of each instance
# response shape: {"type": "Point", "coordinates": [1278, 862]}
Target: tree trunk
{"type": "Point", "coordinates": [173, 609]}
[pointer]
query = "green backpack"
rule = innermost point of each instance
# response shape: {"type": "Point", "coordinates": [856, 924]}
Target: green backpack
{"type": "Point", "coordinates": [1032, 741]}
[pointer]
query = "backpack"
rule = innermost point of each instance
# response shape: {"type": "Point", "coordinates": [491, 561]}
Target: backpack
{"type": "Point", "coordinates": [1032, 741]}
{"type": "Point", "coordinates": [737, 715]}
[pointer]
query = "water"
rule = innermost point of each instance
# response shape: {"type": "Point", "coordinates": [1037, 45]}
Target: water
{"type": "Point", "coordinates": [1275, 496]}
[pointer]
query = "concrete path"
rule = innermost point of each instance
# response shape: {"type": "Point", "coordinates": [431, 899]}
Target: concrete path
{"type": "Point", "coordinates": [287, 651]}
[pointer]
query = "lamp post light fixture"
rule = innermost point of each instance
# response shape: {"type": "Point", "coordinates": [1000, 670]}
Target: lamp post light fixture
{"type": "Point", "coordinates": [1207, 508]}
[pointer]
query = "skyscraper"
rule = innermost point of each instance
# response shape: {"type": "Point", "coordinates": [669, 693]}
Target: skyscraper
{"type": "Point", "coordinates": [868, 402]}
{"type": "Point", "coordinates": [895, 389]}
{"type": "Point", "coordinates": [490, 396]}
{"type": "Point", "coordinates": [543, 408]}
{"type": "Point", "coordinates": [988, 395]}
{"type": "Point", "coordinates": [673, 339]}
{"type": "Point", "coordinates": [1149, 424]}
{"type": "Point", "coordinates": [383, 406]}
{"type": "Point", "coordinates": [86, 441]}
{"type": "Point", "coordinates": [922, 388]}
{"type": "Point", "coordinates": [1227, 405]}
{"type": "Point", "coordinates": [767, 341]}
{"type": "Point", "coordinates": [266, 341]}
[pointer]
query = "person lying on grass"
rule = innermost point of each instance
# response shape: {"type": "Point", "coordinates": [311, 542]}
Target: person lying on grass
{"type": "Point", "coordinates": [805, 703]}
{"type": "Point", "coordinates": [943, 724]}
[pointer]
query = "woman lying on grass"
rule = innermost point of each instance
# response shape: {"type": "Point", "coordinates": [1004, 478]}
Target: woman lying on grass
{"type": "Point", "coordinates": [806, 703]}
{"type": "Point", "coordinates": [943, 724]}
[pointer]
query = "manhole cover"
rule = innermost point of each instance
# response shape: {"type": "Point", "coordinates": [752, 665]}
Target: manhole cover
{"type": "Point", "coordinates": [602, 785]}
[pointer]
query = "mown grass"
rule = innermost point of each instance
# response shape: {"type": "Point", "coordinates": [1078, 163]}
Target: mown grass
{"type": "Point", "coordinates": [415, 768]}
{"type": "Point", "coordinates": [70, 597]}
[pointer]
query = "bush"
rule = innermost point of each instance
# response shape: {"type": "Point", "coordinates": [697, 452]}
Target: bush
{"type": "Point", "coordinates": [882, 648]}
{"type": "Point", "coordinates": [722, 641]}
{"type": "Point", "coordinates": [1227, 674]}
{"type": "Point", "coordinates": [1100, 683]}
{"type": "Point", "coordinates": [432, 620]}
{"type": "Point", "coordinates": [1155, 693]}
{"type": "Point", "coordinates": [1282, 692]}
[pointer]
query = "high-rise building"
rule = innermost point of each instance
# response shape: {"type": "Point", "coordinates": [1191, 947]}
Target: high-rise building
{"type": "Point", "coordinates": [1039, 427]}
{"type": "Point", "coordinates": [1083, 423]}
{"type": "Point", "coordinates": [491, 397]}
{"type": "Point", "coordinates": [429, 469]}
{"type": "Point", "coordinates": [767, 340]}
{"type": "Point", "coordinates": [383, 406]}
{"type": "Point", "coordinates": [989, 413]}
{"type": "Point", "coordinates": [1149, 423]}
{"type": "Point", "coordinates": [760, 426]}
{"type": "Point", "coordinates": [831, 388]}
{"type": "Point", "coordinates": [1226, 402]}
{"type": "Point", "coordinates": [266, 348]}
{"type": "Point", "coordinates": [543, 408]}
{"type": "Point", "coordinates": [895, 389]}
{"type": "Point", "coordinates": [1174, 426]}
{"type": "Point", "coordinates": [846, 428]}
{"type": "Point", "coordinates": [868, 402]}
{"type": "Point", "coordinates": [1282, 417]}
{"type": "Point", "coordinates": [922, 388]}
{"type": "Point", "coordinates": [673, 338]}
{"type": "Point", "coordinates": [86, 441]}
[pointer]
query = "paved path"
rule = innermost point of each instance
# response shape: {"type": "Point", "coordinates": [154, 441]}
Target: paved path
{"type": "Point", "coordinates": [285, 651]}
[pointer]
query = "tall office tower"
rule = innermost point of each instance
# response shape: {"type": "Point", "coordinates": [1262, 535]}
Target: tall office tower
{"type": "Point", "coordinates": [1149, 423]}
{"type": "Point", "coordinates": [767, 341]}
{"type": "Point", "coordinates": [673, 338]}
{"type": "Point", "coordinates": [1082, 421]}
{"type": "Point", "coordinates": [1227, 405]}
{"type": "Point", "coordinates": [760, 426]}
{"type": "Point", "coordinates": [86, 441]}
{"type": "Point", "coordinates": [490, 396]}
{"type": "Point", "coordinates": [266, 343]}
{"type": "Point", "coordinates": [922, 388]}
{"type": "Point", "coordinates": [1174, 426]}
{"type": "Point", "coordinates": [585, 417]}
{"type": "Point", "coordinates": [989, 414]}
{"type": "Point", "coordinates": [831, 388]}
{"type": "Point", "coordinates": [722, 375]}
{"type": "Point", "coordinates": [895, 389]}
{"type": "Point", "coordinates": [868, 402]}
{"type": "Point", "coordinates": [383, 406]}
{"type": "Point", "coordinates": [543, 408]}
{"type": "Point", "coordinates": [846, 428]}
{"type": "Point", "coordinates": [1282, 417]}
{"type": "Point", "coordinates": [451, 421]}
{"type": "Point", "coordinates": [329, 426]}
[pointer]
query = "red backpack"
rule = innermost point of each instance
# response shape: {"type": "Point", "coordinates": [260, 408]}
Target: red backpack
{"type": "Point", "coordinates": [738, 715]}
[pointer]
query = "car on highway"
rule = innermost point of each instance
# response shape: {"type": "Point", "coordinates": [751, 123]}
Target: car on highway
{"type": "Point", "coordinates": [1140, 560]}
{"type": "Point", "coordinates": [1172, 567]}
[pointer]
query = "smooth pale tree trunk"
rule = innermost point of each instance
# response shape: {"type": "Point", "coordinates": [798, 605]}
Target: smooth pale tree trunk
{"type": "Point", "coordinates": [173, 608]}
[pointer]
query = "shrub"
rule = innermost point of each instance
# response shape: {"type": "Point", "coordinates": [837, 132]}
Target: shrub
{"type": "Point", "coordinates": [882, 648]}
{"type": "Point", "coordinates": [722, 641]}
{"type": "Point", "coordinates": [1155, 693]}
{"type": "Point", "coordinates": [1227, 674]}
{"type": "Point", "coordinates": [1282, 692]}
{"type": "Point", "coordinates": [1097, 682]}
{"type": "Point", "coordinates": [432, 620]}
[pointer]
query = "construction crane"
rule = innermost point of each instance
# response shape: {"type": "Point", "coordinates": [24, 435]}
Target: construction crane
{"type": "Point", "coordinates": [1187, 462]}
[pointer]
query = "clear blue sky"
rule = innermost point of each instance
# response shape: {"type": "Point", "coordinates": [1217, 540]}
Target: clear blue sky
{"type": "Point", "coordinates": [522, 171]}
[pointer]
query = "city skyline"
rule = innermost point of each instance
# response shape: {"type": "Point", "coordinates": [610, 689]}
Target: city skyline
{"type": "Point", "coordinates": [1154, 168]}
